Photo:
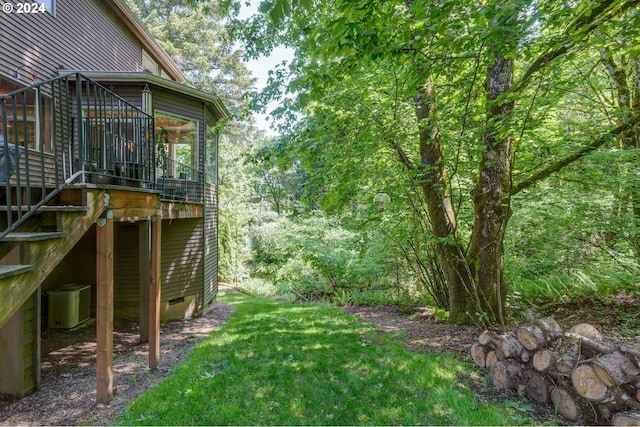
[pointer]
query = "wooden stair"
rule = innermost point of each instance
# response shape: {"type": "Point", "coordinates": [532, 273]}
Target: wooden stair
{"type": "Point", "coordinates": [27, 257]}
{"type": "Point", "coordinates": [31, 253]}
{"type": "Point", "coordinates": [12, 270]}
{"type": "Point", "coordinates": [33, 237]}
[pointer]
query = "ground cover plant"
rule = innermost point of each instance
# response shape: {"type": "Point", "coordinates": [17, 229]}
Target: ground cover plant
{"type": "Point", "coordinates": [309, 364]}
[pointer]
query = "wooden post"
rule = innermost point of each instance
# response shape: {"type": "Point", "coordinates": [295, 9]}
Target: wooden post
{"type": "Point", "coordinates": [37, 344]}
{"type": "Point", "coordinates": [104, 312]}
{"type": "Point", "coordinates": [12, 355]}
{"type": "Point", "coordinates": [154, 294]}
{"type": "Point", "coordinates": [144, 279]}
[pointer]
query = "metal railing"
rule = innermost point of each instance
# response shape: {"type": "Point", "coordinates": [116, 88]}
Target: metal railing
{"type": "Point", "coordinates": [70, 130]}
{"type": "Point", "coordinates": [179, 182]}
{"type": "Point", "coordinates": [118, 139]}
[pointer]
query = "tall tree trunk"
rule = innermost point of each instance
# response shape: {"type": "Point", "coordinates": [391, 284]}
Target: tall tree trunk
{"type": "Point", "coordinates": [492, 195]}
{"type": "Point", "coordinates": [433, 181]}
{"type": "Point", "coordinates": [431, 177]}
{"type": "Point", "coordinates": [475, 280]}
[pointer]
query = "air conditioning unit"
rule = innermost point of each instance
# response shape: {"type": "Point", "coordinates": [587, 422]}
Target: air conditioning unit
{"type": "Point", "coordinates": [69, 305]}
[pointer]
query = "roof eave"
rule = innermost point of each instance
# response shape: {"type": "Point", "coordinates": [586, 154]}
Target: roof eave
{"type": "Point", "coordinates": [146, 77]}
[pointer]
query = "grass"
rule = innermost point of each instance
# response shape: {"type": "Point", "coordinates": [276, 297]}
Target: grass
{"type": "Point", "coordinates": [287, 364]}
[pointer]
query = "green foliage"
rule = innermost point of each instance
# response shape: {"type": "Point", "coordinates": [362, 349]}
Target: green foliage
{"type": "Point", "coordinates": [284, 364]}
{"type": "Point", "coordinates": [565, 244]}
{"type": "Point", "coordinates": [260, 287]}
{"type": "Point", "coordinates": [310, 256]}
{"type": "Point", "coordinates": [318, 258]}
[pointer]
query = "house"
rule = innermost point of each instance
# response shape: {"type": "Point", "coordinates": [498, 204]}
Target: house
{"type": "Point", "coordinates": [108, 183]}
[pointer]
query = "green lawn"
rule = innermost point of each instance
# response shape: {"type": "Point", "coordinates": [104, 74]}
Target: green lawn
{"type": "Point", "coordinates": [288, 364]}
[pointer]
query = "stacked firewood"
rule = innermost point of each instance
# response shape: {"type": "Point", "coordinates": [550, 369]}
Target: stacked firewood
{"type": "Point", "coordinates": [588, 378]}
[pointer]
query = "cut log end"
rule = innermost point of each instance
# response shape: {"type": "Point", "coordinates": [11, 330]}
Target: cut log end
{"type": "Point", "coordinates": [504, 376]}
{"type": "Point", "coordinates": [531, 336]}
{"type": "Point", "coordinates": [542, 360]}
{"type": "Point", "coordinates": [565, 403]}
{"type": "Point", "coordinates": [536, 385]}
{"type": "Point", "coordinates": [484, 338]}
{"type": "Point", "coordinates": [626, 419]}
{"type": "Point", "coordinates": [479, 355]}
{"type": "Point", "coordinates": [492, 357]}
{"type": "Point", "coordinates": [586, 330]}
{"type": "Point", "coordinates": [588, 384]}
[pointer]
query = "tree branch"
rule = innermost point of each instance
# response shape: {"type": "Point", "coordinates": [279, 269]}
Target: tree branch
{"type": "Point", "coordinates": [546, 172]}
{"type": "Point", "coordinates": [584, 24]}
{"type": "Point", "coordinates": [402, 156]}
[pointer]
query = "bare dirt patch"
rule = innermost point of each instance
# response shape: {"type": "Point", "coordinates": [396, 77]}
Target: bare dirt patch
{"type": "Point", "coordinates": [68, 389]}
{"type": "Point", "coordinates": [422, 330]}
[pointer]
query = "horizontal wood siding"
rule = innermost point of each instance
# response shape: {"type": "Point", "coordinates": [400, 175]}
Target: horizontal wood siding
{"type": "Point", "coordinates": [183, 265]}
{"type": "Point", "coordinates": [131, 93]}
{"type": "Point", "coordinates": [79, 266]}
{"type": "Point", "coordinates": [210, 243]}
{"type": "Point", "coordinates": [126, 269]}
{"type": "Point", "coordinates": [82, 35]}
{"type": "Point", "coordinates": [182, 259]}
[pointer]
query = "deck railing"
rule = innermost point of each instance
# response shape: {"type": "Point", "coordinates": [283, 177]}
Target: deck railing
{"type": "Point", "coordinates": [118, 138]}
{"type": "Point", "coordinates": [70, 130]}
{"type": "Point", "coordinates": [179, 182]}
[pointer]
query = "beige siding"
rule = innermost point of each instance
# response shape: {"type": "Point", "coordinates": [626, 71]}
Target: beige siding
{"type": "Point", "coordinates": [183, 264]}
{"type": "Point", "coordinates": [182, 259]}
{"type": "Point", "coordinates": [83, 35]}
{"type": "Point", "coordinates": [79, 266]}
{"type": "Point", "coordinates": [126, 270]}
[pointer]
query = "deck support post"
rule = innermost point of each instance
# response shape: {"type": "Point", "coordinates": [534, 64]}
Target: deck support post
{"type": "Point", "coordinates": [154, 293]}
{"type": "Point", "coordinates": [104, 312]}
{"type": "Point", "coordinates": [144, 280]}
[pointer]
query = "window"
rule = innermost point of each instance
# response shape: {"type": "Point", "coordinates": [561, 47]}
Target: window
{"type": "Point", "coordinates": [28, 118]}
{"type": "Point", "coordinates": [212, 156]}
{"type": "Point", "coordinates": [180, 137]}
